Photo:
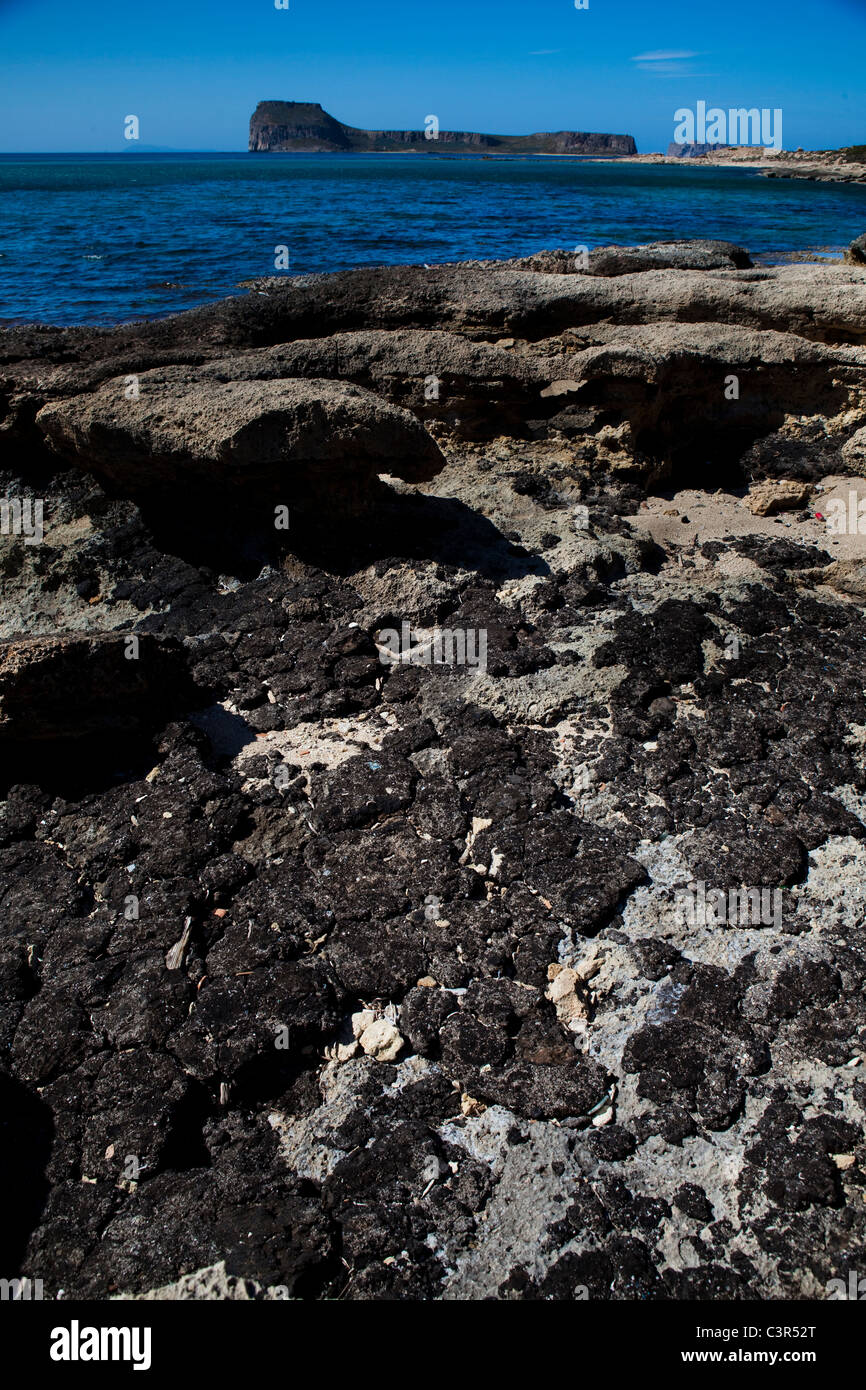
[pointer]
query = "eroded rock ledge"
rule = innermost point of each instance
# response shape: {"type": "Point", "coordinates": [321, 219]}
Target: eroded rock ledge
{"type": "Point", "coordinates": [331, 977]}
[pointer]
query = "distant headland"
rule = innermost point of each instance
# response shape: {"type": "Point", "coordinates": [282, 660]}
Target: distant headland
{"type": "Point", "coordinates": [303, 127]}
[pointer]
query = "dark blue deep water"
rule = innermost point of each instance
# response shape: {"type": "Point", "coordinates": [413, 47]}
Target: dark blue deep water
{"type": "Point", "coordinates": [105, 238]}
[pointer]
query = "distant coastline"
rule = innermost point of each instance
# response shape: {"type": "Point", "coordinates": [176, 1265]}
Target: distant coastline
{"type": "Point", "coordinates": [845, 165]}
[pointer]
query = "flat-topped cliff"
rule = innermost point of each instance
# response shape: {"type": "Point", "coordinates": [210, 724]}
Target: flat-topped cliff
{"type": "Point", "coordinates": [299, 126]}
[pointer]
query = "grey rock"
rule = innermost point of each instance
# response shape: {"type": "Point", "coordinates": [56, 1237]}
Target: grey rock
{"type": "Point", "coordinates": [683, 150]}
{"type": "Point", "coordinates": [626, 260]}
{"type": "Point", "coordinates": [183, 429]}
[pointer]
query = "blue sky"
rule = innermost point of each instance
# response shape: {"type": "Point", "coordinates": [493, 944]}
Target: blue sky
{"type": "Point", "coordinates": [193, 72]}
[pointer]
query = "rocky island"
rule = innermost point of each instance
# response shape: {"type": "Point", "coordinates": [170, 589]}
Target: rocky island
{"type": "Point", "coordinates": [332, 976]}
{"type": "Point", "coordinates": [303, 127]}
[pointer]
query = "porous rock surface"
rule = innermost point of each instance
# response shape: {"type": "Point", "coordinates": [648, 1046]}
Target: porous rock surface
{"type": "Point", "coordinates": [326, 977]}
{"type": "Point", "coordinates": [182, 431]}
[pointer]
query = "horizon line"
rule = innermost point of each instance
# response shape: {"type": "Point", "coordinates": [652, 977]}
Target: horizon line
{"type": "Point", "coordinates": [487, 154]}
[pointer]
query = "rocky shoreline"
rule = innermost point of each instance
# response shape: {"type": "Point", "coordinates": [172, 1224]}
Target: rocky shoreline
{"type": "Point", "coordinates": [326, 974]}
{"type": "Point", "coordinates": [822, 166]}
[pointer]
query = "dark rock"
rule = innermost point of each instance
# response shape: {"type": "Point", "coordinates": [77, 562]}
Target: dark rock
{"type": "Point", "coordinates": [856, 252]}
{"type": "Point", "coordinates": [79, 685]}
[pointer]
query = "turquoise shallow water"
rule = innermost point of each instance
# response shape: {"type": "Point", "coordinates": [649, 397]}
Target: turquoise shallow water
{"type": "Point", "coordinates": [105, 238]}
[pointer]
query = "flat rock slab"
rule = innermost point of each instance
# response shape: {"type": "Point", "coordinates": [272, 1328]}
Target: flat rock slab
{"type": "Point", "coordinates": [237, 432]}
{"type": "Point", "coordinates": [626, 260]}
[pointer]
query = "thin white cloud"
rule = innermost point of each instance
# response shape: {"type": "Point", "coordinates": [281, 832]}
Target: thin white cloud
{"type": "Point", "coordinates": [663, 55]}
{"type": "Point", "coordinates": [541, 52]}
{"type": "Point", "coordinates": [667, 62]}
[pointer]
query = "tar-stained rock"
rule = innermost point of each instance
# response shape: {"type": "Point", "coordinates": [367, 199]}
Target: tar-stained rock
{"type": "Point", "coordinates": [692, 1201]}
{"type": "Point", "coordinates": [543, 1090]}
{"type": "Point", "coordinates": [667, 644]}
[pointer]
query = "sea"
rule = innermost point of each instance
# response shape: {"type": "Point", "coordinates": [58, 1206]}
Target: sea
{"type": "Point", "coordinates": [102, 239]}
